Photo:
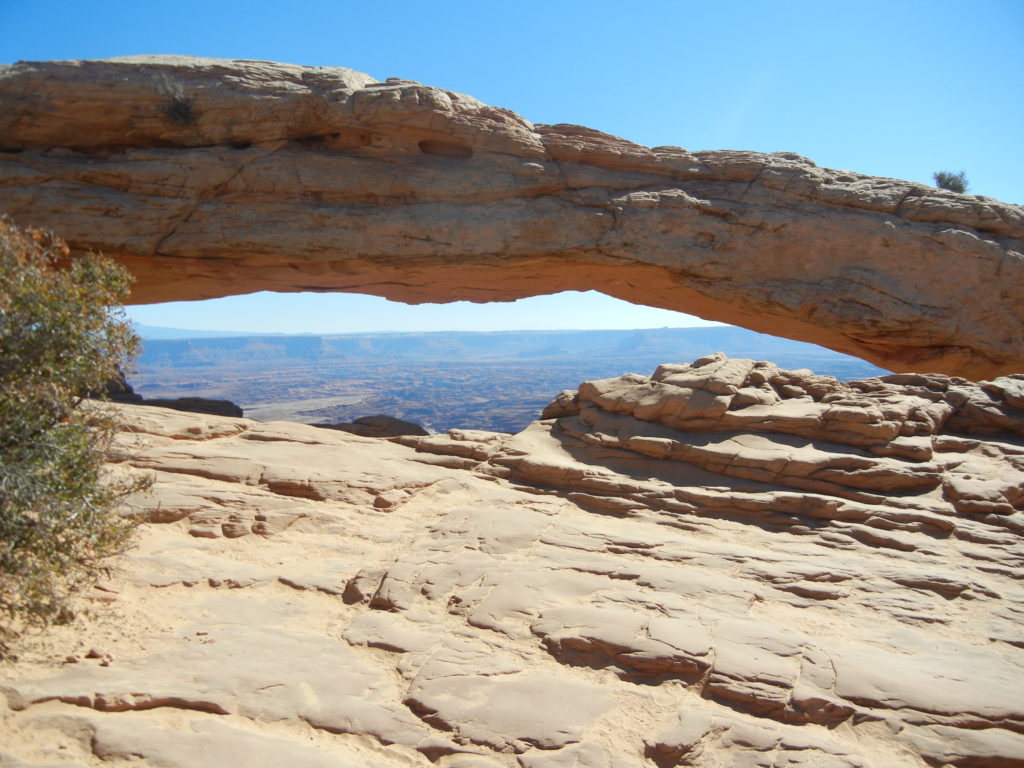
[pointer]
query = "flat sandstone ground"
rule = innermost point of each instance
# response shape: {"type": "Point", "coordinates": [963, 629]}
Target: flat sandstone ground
{"type": "Point", "coordinates": [546, 600]}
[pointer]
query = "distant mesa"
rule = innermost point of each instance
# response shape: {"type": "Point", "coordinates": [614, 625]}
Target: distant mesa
{"type": "Point", "coordinates": [292, 178]}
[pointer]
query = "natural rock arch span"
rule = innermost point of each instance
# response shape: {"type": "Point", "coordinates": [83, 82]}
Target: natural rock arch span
{"type": "Point", "coordinates": [214, 177]}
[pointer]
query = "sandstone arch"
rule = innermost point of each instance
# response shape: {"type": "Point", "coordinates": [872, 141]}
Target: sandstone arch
{"type": "Point", "coordinates": [213, 177]}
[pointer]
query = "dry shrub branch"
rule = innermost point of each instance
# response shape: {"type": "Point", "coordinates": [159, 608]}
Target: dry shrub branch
{"type": "Point", "coordinates": [62, 336]}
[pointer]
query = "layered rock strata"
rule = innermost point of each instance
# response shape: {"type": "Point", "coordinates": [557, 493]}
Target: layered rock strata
{"type": "Point", "coordinates": [209, 177]}
{"type": "Point", "coordinates": [629, 582]}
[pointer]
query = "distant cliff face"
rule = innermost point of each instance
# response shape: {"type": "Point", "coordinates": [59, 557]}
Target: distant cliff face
{"type": "Point", "coordinates": [629, 583]}
{"type": "Point", "coordinates": [211, 177]}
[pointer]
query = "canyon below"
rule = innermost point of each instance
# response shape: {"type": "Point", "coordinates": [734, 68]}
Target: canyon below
{"type": "Point", "coordinates": [497, 381]}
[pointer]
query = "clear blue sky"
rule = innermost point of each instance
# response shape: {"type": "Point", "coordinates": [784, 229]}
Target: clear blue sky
{"type": "Point", "coordinates": [893, 88]}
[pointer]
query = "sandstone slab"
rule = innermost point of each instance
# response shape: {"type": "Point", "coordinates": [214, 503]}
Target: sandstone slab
{"type": "Point", "coordinates": [565, 601]}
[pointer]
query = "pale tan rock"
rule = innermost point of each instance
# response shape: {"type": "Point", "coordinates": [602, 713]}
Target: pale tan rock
{"type": "Point", "coordinates": [943, 745]}
{"type": "Point", "coordinates": [572, 756]}
{"type": "Point", "coordinates": [493, 622]}
{"type": "Point", "coordinates": [642, 644]}
{"type": "Point", "coordinates": [928, 688]}
{"type": "Point", "coordinates": [283, 676]}
{"type": "Point", "coordinates": [392, 632]}
{"type": "Point", "coordinates": [209, 177]}
{"type": "Point", "coordinates": [680, 742]}
{"type": "Point", "coordinates": [694, 736]}
{"type": "Point", "coordinates": [467, 761]}
{"type": "Point", "coordinates": [878, 443]}
{"type": "Point", "coordinates": [214, 742]}
{"type": "Point", "coordinates": [755, 667]}
{"type": "Point", "coordinates": [489, 700]}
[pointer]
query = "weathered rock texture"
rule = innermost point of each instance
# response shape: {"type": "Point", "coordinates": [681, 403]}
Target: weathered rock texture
{"type": "Point", "coordinates": [211, 177]}
{"type": "Point", "coordinates": [627, 583]}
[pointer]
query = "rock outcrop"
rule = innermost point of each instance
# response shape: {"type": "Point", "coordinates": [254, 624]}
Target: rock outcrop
{"type": "Point", "coordinates": [120, 391]}
{"type": "Point", "coordinates": [629, 582]}
{"type": "Point", "coordinates": [209, 177]}
{"type": "Point", "coordinates": [380, 425]}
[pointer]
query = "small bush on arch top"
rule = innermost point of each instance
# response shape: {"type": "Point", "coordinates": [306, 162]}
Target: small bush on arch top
{"type": "Point", "coordinates": [954, 182]}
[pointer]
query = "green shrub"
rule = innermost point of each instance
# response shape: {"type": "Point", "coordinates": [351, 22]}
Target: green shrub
{"type": "Point", "coordinates": [62, 336]}
{"type": "Point", "coordinates": [955, 182]}
{"type": "Point", "coordinates": [178, 107]}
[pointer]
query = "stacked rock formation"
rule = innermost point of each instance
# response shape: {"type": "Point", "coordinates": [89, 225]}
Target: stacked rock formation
{"type": "Point", "coordinates": [209, 177]}
{"type": "Point", "coordinates": [628, 582]}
